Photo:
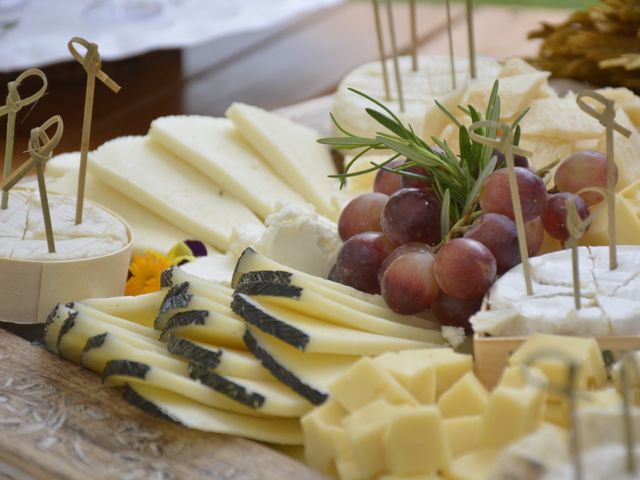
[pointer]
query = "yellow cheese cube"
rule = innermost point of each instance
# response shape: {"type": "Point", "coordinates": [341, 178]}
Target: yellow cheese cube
{"type": "Point", "coordinates": [519, 376]}
{"type": "Point", "coordinates": [415, 442]}
{"type": "Point", "coordinates": [477, 465]}
{"type": "Point", "coordinates": [557, 411]}
{"type": "Point", "coordinates": [346, 464]}
{"type": "Point", "coordinates": [627, 224]}
{"type": "Point", "coordinates": [463, 433]}
{"type": "Point", "coordinates": [366, 381]}
{"type": "Point", "coordinates": [365, 429]}
{"type": "Point", "coordinates": [417, 374]}
{"type": "Point", "coordinates": [511, 414]}
{"type": "Point", "coordinates": [319, 428]}
{"type": "Point", "coordinates": [466, 397]}
{"type": "Point", "coordinates": [450, 365]}
{"type": "Point", "coordinates": [583, 351]}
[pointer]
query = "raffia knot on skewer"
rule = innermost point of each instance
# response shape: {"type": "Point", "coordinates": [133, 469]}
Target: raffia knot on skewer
{"type": "Point", "coordinates": [606, 116]}
{"type": "Point", "coordinates": [40, 145]}
{"type": "Point", "coordinates": [14, 102]}
{"type": "Point", "coordinates": [91, 61]}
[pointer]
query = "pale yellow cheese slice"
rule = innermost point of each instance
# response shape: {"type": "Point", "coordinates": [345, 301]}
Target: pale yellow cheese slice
{"type": "Point", "coordinates": [180, 194]}
{"type": "Point", "coordinates": [214, 147]}
{"type": "Point", "coordinates": [292, 151]}
{"type": "Point", "coordinates": [149, 230]}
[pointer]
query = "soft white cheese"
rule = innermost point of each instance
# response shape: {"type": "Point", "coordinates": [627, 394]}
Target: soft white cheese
{"type": "Point", "coordinates": [215, 268]}
{"type": "Point", "coordinates": [431, 81]}
{"type": "Point", "coordinates": [296, 236]}
{"type": "Point", "coordinates": [610, 299]}
{"type": "Point", "coordinates": [99, 234]}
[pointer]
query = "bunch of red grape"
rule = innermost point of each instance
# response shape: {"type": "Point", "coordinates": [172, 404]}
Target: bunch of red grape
{"type": "Point", "coordinates": [394, 246]}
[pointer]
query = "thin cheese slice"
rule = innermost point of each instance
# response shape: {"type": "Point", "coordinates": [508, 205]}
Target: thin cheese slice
{"type": "Point", "coordinates": [214, 146]}
{"type": "Point", "coordinates": [140, 309]}
{"type": "Point", "coordinates": [151, 232]}
{"type": "Point", "coordinates": [314, 336]}
{"type": "Point", "coordinates": [194, 415]}
{"type": "Point", "coordinates": [268, 287]}
{"type": "Point", "coordinates": [116, 321]}
{"type": "Point", "coordinates": [308, 374]}
{"type": "Point", "coordinates": [293, 152]}
{"type": "Point", "coordinates": [177, 192]}
{"type": "Point", "coordinates": [117, 373]}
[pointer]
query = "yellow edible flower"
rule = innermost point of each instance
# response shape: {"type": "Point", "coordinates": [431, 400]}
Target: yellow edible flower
{"type": "Point", "coordinates": [145, 273]}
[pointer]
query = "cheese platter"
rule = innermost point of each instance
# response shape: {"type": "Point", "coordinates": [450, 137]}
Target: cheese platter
{"type": "Point", "coordinates": [410, 311]}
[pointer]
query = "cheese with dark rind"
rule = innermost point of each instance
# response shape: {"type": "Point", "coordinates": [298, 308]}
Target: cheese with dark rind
{"type": "Point", "coordinates": [191, 414]}
{"type": "Point", "coordinates": [311, 335]}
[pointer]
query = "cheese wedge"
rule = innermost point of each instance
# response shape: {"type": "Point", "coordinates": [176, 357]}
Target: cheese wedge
{"type": "Point", "coordinates": [223, 360]}
{"type": "Point", "coordinates": [314, 336]}
{"type": "Point", "coordinates": [214, 146]}
{"type": "Point", "coordinates": [205, 326]}
{"type": "Point", "coordinates": [177, 192]}
{"type": "Point", "coordinates": [78, 327]}
{"type": "Point", "coordinates": [185, 296]}
{"type": "Point", "coordinates": [250, 261]}
{"type": "Point", "coordinates": [101, 349]}
{"type": "Point", "coordinates": [292, 151]}
{"type": "Point", "coordinates": [113, 320]}
{"type": "Point", "coordinates": [117, 373]}
{"type": "Point", "coordinates": [141, 309]}
{"type": "Point", "coordinates": [308, 374]}
{"type": "Point", "coordinates": [191, 414]}
{"type": "Point", "coordinates": [268, 287]}
{"type": "Point", "coordinates": [150, 231]}
{"type": "Point", "coordinates": [267, 397]}
{"type": "Point", "coordinates": [176, 275]}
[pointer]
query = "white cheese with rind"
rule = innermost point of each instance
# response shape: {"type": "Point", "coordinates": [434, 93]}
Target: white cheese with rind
{"type": "Point", "coordinates": [215, 147]}
{"type": "Point", "coordinates": [23, 235]}
{"type": "Point", "coordinates": [174, 190]}
{"type": "Point", "coordinates": [292, 151]}
{"type": "Point", "coordinates": [610, 299]}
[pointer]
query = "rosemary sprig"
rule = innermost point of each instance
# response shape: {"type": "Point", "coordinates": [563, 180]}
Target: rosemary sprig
{"type": "Point", "coordinates": [456, 179]}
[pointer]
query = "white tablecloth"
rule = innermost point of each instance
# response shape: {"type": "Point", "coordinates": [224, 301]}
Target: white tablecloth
{"type": "Point", "coordinates": [36, 32]}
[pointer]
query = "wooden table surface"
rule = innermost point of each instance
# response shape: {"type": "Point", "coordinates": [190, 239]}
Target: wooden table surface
{"type": "Point", "coordinates": [292, 63]}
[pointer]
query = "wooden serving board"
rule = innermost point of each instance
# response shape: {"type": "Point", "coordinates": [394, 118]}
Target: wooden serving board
{"type": "Point", "coordinates": [57, 421]}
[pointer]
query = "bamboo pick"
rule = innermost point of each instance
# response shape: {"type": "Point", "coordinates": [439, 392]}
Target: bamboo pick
{"type": "Point", "coordinates": [568, 390]}
{"type": "Point", "coordinates": [92, 64]}
{"type": "Point", "coordinates": [505, 145]}
{"type": "Point", "coordinates": [471, 39]}
{"type": "Point", "coordinates": [394, 51]}
{"type": "Point", "coordinates": [13, 105]}
{"type": "Point", "coordinates": [607, 120]}
{"type": "Point", "coordinates": [414, 35]}
{"type": "Point", "coordinates": [452, 62]}
{"type": "Point", "coordinates": [381, 53]}
{"type": "Point", "coordinates": [628, 361]}
{"type": "Point", "coordinates": [40, 151]}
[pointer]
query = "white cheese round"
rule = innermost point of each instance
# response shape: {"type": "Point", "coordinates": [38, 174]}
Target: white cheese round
{"type": "Point", "coordinates": [610, 298]}
{"type": "Point", "coordinates": [23, 236]}
{"type": "Point", "coordinates": [431, 81]}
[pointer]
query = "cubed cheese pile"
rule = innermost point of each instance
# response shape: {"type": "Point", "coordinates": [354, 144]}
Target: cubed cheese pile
{"type": "Point", "coordinates": [424, 414]}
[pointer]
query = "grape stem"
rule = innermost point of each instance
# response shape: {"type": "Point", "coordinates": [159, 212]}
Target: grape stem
{"type": "Point", "coordinates": [459, 228]}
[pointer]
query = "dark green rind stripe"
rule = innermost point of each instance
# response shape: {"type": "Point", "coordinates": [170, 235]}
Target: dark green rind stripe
{"type": "Point", "coordinates": [225, 386]}
{"type": "Point", "coordinates": [281, 373]}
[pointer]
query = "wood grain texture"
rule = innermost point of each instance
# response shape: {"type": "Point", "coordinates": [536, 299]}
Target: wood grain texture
{"type": "Point", "coordinates": [58, 421]}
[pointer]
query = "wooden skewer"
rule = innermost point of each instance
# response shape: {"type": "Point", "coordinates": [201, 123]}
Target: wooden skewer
{"type": "Point", "coordinates": [505, 145]}
{"type": "Point", "coordinates": [13, 105]}
{"type": "Point", "coordinates": [381, 53]}
{"type": "Point", "coordinates": [452, 62]}
{"type": "Point", "coordinates": [92, 65]}
{"type": "Point", "coordinates": [607, 120]}
{"type": "Point", "coordinates": [394, 51]}
{"type": "Point", "coordinates": [471, 39]}
{"type": "Point", "coordinates": [628, 362]}
{"type": "Point", "coordinates": [414, 35]}
{"type": "Point", "coordinates": [40, 151]}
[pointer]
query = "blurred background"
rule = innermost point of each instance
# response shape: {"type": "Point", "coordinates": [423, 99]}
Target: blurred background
{"type": "Point", "coordinates": [198, 56]}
